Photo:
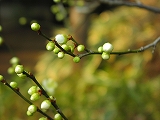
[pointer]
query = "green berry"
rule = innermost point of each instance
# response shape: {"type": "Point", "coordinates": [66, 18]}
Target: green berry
{"type": "Point", "coordinates": [14, 60]}
{"type": "Point", "coordinates": [57, 1]}
{"type": "Point", "coordinates": [1, 40]}
{"type": "Point", "coordinates": [22, 20]}
{"type": "Point", "coordinates": [29, 113]}
{"type": "Point", "coordinates": [45, 105]}
{"type": "Point", "coordinates": [61, 55]}
{"type": "Point", "coordinates": [19, 69]}
{"type": "Point", "coordinates": [35, 96]}
{"type": "Point", "coordinates": [43, 118]}
{"type": "Point", "coordinates": [13, 84]}
{"type": "Point", "coordinates": [50, 46]}
{"type": "Point", "coordinates": [80, 48]}
{"type": "Point", "coordinates": [0, 28]}
{"type": "Point", "coordinates": [76, 59]}
{"type": "Point", "coordinates": [61, 39]}
{"type": "Point", "coordinates": [105, 56]}
{"type": "Point", "coordinates": [32, 109]}
{"type": "Point", "coordinates": [1, 78]}
{"type": "Point", "coordinates": [100, 49]}
{"type": "Point", "coordinates": [107, 47]}
{"type": "Point", "coordinates": [35, 26]}
{"type": "Point", "coordinates": [10, 70]}
{"type": "Point", "coordinates": [21, 75]}
{"type": "Point", "coordinates": [57, 117]}
{"type": "Point", "coordinates": [71, 48]}
{"type": "Point", "coordinates": [65, 47]}
{"type": "Point", "coordinates": [56, 50]}
{"type": "Point", "coordinates": [33, 89]}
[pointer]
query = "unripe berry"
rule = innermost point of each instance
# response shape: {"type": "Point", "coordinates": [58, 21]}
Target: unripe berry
{"type": "Point", "coordinates": [57, 117]}
{"type": "Point", "coordinates": [50, 46]}
{"type": "Point", "coordinates": [43, 118]}
{"type": "Point", "coordinates": [71, 48]}
{"type": "Point", "coordinates": [10, 70]}
{"type": "Point", "coordinates": [107, 47]}
{"type": "Point", "coordinates": [34, 96]}
{"type": "Point", "coordinates": [76, 59]}
{"type": "Point", "coordinates": [14, 60]}
{"type": "Point", "coordinates": [19, 69]}
{"type": "Point", "coordinates": [80, 48]}
{"type": "Point", "coordinates": [57, 1]}
{"type": "Point", "coordinates": [29, 113]}
{"type": "Point", "coordinates": [13, 84]}
{"type": "Point", "coordinates": [33, 89]}
{"type": "Point", "coordinates": [45, 105]}
{"type": "Point", "coordinates": [21, 75]}
{"type": "Point", "coordinates": [1, 77]}
{"type": "Point", "coordinates": [61, 55]}
{"type": "Point", "coordinates": [56, 50]}
{"type": "Point", "coordinates": [32, 109]}
{"type": "Point", "coordinates": [105, 56]}
{"type": "Point", "coordinates": [35, 26]}
{"type": "Point", "coordinates": [100, 49]}
{"type": "Point", "coordinates": [65, 47]}
{"type": "Point", "coordinates": [61, 39]}
{"type": "Point", "coordinates": [1, 40]}
{"type": "Point", "coordinates": [0, 28]}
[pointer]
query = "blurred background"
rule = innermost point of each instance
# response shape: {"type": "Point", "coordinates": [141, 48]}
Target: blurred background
{"type": "Point", "coordinates": [125, 87]}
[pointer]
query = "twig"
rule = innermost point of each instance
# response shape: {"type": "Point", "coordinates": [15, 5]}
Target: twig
{"type": "Point", "coordinates": [131, 4]}
{"type": "Point", "coordinates": [32, 77]}
{"type": "Point", "coordinates": [16, 90]}
{"type": "Point", "coordinates": [153, 44]}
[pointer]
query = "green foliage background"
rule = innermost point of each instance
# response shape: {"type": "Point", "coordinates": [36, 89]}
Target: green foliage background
{"type": "Point", "coordinates": [122, 88]}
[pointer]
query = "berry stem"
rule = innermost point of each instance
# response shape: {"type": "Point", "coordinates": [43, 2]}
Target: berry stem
{"type": "Point", "coordinates": [16, 90]}
{"type": "Point", "coordinates": [32, 77]}
{"type": "Point", "coordinates": [43, 35]}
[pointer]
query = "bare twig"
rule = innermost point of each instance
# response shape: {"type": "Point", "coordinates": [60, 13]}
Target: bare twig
{"type": "Point", "coordinates": [131, 4]}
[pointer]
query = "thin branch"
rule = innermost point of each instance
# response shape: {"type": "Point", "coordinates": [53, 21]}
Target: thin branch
{"type": "Point", "coordinates": [153, 45]}
{"type": "Point", "coordinates": [131, 4]}
{"type": "Point", "coordinates": [16, 90]}
{"type": "Point", "coordinates": [56, 43]}
{"type": "Point", "coordinates": [32, 77]}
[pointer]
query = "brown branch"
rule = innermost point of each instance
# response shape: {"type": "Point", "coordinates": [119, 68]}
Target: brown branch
{"type": "Point", "coordinates": [153, 45]}
{"type": "Point", "coordinates": [131, 4]}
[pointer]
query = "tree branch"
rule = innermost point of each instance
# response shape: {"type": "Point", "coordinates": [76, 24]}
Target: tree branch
{"type": "Point", "coordinates": [153, 45]}
{"type": "Point", "coordinates": [131, 4]}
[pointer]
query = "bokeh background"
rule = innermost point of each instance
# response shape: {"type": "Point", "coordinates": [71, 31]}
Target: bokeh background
{"type": "Point", "coordinates": [125, 87]}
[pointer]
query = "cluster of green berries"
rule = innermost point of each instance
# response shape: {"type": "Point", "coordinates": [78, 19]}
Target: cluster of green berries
{"type": "Point", "coordinates": [35, 94]}
{"type": "Point", "coordinates": [19, 69]}
{"type": "Point", "coordinates": [62, 40]}
{"type": "Point", "coordinates": [106, 49]}
{"type": "Point", "coordinates": [14, 61]}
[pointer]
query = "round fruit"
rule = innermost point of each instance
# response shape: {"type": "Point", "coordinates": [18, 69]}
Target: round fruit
{"type": "Point", "coordinates": [35, 26]}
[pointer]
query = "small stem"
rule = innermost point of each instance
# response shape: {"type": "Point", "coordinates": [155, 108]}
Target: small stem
{"type": "Point", "coordinates": [36, 82]}
{"type": "Point", "coordinates": [69, 53]}
{"type": "Point", "coordinates": [45, 94]}
{"type": "Point", "coordinates": [153, 44]}
{"type": "Point", "coordinates": [25, 99]}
